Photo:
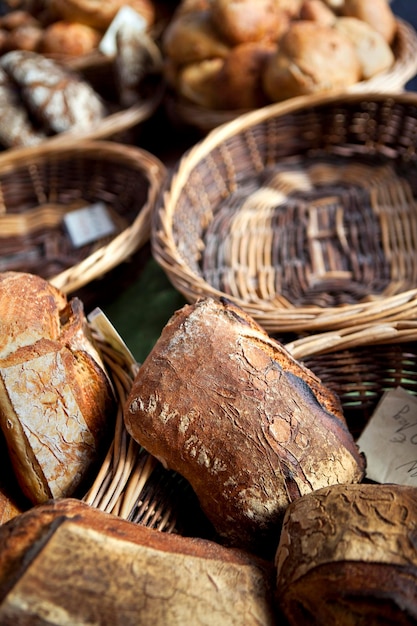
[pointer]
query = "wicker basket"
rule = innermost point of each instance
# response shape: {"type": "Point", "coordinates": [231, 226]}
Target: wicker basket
{"type": "Point", "coordinates": [360, 364]}
{"type": "Point", "coordinates": [303, 213]}
{"type": "Point", "coordinates": [394, 79]}
{"type": "Point", "coordinates": [40, 186]}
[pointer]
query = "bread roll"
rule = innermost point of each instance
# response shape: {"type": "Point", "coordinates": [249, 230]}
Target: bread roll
{"type": "Point", "coordinates": [78, 565]}
{"type": "Point", "coordinates": [69, 39]}
{"type": "Point", "coordinates": [199, 83]}
{"type": "Point", "coordinates": [318, 11]}
{"type": "Point", "coordinates": [241, 21]}
{"type": "Point", "coordinates": [98, 13]}
{"type": "Point", "coordinates": [377, 13]}
{"type": "Point", "coordinates": [373, 52]}
{"type": "Point", "coordinates": [249, 427]}
{"type": "Point", "coordinates": [311, 58]}
{"type": "Point", "coordinates": [192, 37]}
{"type": "Point", "coordinates": [347, 555]}
{"type": "Point", "coordinates": [240, 78]}
{"type": "Point", "coordinates": [56, 400]}
{"type": "Point", "coordinates": [59, 99]}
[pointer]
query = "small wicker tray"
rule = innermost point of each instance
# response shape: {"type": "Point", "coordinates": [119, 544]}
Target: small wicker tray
{"type": "Point", "coordinates": [40, 185]}
{"type": "Point", "coordinates": [304, 213]}
{"type": "Point", "coordinates": [360, 364]}
{"type": "Point", "coordinates": [394, 79]}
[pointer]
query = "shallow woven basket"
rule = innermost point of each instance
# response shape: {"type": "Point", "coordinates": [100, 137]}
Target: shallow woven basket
{"type": "Point", "coordinates": [394, 79]}
{"type": "Point", "coordinates": [360, 364]}
{"type": "Point", "coordinates": [39, 185]}
{"type": "Point", "coordinates": [303, 213]}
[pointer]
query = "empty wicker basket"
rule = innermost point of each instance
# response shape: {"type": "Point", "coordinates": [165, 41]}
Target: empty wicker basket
{"type": "Point", "coordinates": [304, 213]}
{"type": "Point", "coordinates": [40, 186]}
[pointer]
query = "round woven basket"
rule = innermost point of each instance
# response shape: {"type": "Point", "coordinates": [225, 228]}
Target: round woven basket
{"type": "Point", "coordinates": [360, 364]}
{"type": "Point", "coordinates": [40, 186]}
{"type": "Point", "coordinates": [303, 213]}
{"type": "Point", "coordinates": [394, 79]}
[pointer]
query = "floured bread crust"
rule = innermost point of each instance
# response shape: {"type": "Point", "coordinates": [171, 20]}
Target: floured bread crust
{"type": "Point", "coordinates": [249, 427]}
{"type": "Point", "coordinates": [56, 399]}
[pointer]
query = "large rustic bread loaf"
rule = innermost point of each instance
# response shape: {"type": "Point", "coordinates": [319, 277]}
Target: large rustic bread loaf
{"type": "Point", "coordinates": [348, 556]}
{"type": "Point", "coordinates": [249, 427]}
{"type": "Point", "coordinates": [78, 565]}
{"type": "Point", "coordinates": [56, 400]}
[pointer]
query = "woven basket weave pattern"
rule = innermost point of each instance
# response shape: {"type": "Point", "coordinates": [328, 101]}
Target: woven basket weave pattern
{"type": "Point", "coordinates": [300, 207]}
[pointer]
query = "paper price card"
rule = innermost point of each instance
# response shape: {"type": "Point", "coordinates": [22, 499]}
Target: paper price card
{"type": "Point", "coordinates": [389, 440]}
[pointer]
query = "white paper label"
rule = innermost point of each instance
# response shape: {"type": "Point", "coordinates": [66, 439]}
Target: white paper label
{"type": "Point", "coordinates": [389, 440]}
{"type": "Point", "coordinates": [126, 14]}
{"type": "Point", "coordinates": [88, 224]}
{"type": "Point", "coordinates": [101, 323]}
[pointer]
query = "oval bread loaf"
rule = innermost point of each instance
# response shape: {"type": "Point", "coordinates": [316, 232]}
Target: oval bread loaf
{"type": "Point", "coordinates": [251, 429]}
{"type": "Point", "coordinates": [56, 399]}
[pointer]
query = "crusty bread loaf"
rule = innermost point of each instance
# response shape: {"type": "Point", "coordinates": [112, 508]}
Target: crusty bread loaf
{"type": "Point", "coordinates": [248, 426]}
{"type": "Point", "coordinates": [347, 555]}
{"type": "Point", "coordinates": [56, 399]}
{"type": "Point", "coordinates": [241, 21]}
{"type": "Point", "coordinates": [59, 99]}
{"type": "Point", "coordinates": [80, 565]}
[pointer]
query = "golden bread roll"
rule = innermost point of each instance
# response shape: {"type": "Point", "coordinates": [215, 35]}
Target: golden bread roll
{"type": "Point", "coordinates": [79, 565]}
{"type": "Point", "coordinates": [240, 78]}
{"type": "Point", "coordinates": [241, 21]}
{"type": "Point", "coordinates": [318, 11]}
{"type": "Point", "coordinates": [347, 556]}
{"type": "Point", "coordinates": [374, 53]}
{"type": "Point", "coordinates": [98, 13]}
{"type": "Point", "coordinates": [376, 13]}
{"type": "Point", "coordinates": [56, 399]}
{"type": "Point", "coordinates": [192, 37]}
{"type": "Point", "coordinates": [69, 39]}
{"type": "Point", "coordinates": [311, 58]}
{"type": "Point", "coordinates": [227, 407]}
{"type": "Point", "coordinates": [198, 83]}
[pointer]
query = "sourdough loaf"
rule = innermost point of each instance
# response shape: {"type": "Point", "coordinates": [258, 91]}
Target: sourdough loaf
{"type": "Point", "coordinates": [251, 429]}
{"type": "Point", "coordinates": [56, 400]}
{"type": "Point", "coordinates": [79, 565]}
{"type": "Point", "coordinates": [347, 555]}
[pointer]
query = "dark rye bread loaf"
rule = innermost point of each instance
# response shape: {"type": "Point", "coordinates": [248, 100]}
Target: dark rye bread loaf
{"type": "Point", "coordinates": [65, 562]}
{"type": "Point", "coordinates": [348, 556]}
{"type": "Point", "coordinates": [251, 429]}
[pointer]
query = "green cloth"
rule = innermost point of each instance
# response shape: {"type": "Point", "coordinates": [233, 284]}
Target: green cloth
{"type": "Point", "coordinates": [143, 309]}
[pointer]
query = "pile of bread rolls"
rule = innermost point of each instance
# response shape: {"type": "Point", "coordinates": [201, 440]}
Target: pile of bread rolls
{"type": "Point", "coordinates": [67, 28]}
{"type": "Point", "coordinates": [242, 54]}
{"type": "Point", "coordinates": [299, 537]}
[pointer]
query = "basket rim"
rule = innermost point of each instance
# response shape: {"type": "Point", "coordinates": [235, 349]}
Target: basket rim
{"type": "Point", "coordinates": [125, 243]}
{"type": "Point", "coordinates": [291, 318]}
{"type": "Point", "coordinates": [392, 79]}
